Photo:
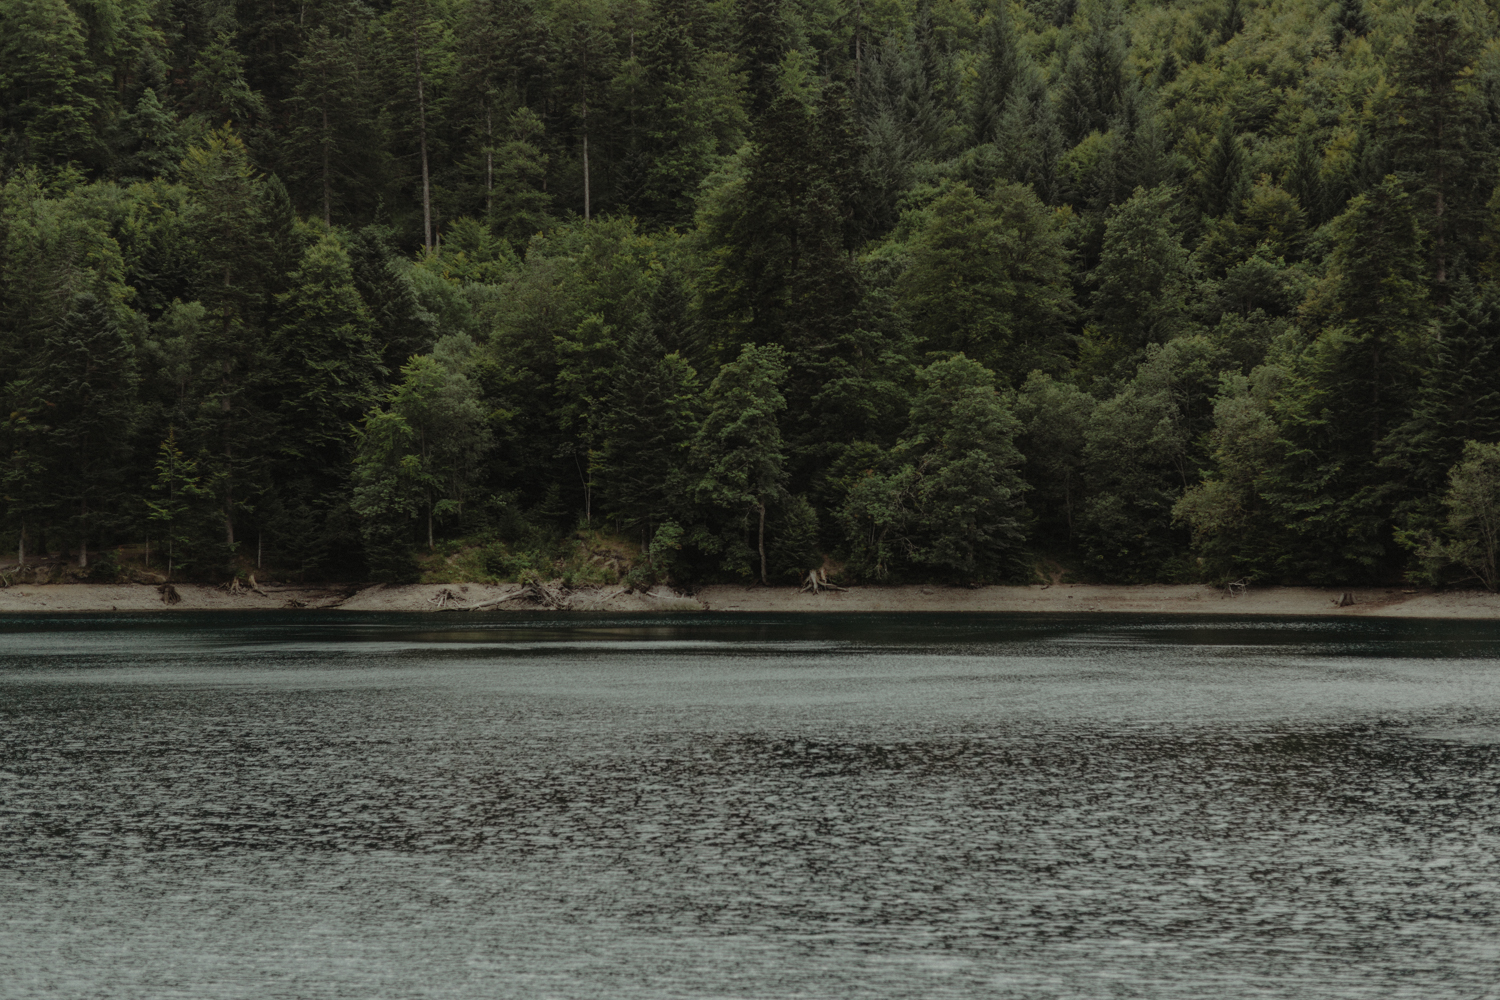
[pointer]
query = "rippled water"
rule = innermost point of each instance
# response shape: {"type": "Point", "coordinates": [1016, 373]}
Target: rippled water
{"type": "Point", "coordinates": [309, 806]}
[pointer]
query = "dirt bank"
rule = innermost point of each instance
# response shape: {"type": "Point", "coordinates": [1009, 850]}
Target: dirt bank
{"type": "Point", "coordinates": [509, 597]}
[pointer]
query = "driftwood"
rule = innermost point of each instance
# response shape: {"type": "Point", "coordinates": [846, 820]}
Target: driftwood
{"type": "Point", "coordinates": [1343, 600]}
{"type": "Point", "coordinates": [292, 602]}
{"type": "Point", "coordinates": [552, 598]}
{"type": "Point", "coordinates": [169, 594]}
{"type": "Point", "coordinates": [817, 580]}
{"type": "Point", "coordinates": [1238, 587]}
{"type": "Point", "coordinates": [444, 597]}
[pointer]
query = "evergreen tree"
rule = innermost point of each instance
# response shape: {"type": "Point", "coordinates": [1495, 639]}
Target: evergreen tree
{"type": "Point", "coordinates": [1093, 88]}
{"type": "Point", "coordinates": [650, 419]}
{"type": "Point", "coordinates": [1001, 71]}
{"type": "Point", "coordinates": [1226, 177]}
{"type": "Point", "coordinates": [47, 85]}
{"type": "Point", "coordinates": [1304, 178]}
{"type": "Point", "coordinates": [331, 143]}
{"type": "Point", "coordinates": [1353, 385]}
{"type": "Point", "coordinates": [1349, 22]}
{"type": "Point", "coordinates": [178, 503]}
{"type": "Point", "coordinates": [154, 147]}
{"type": "Point", "coordinates": [87, 374]}
{"type": "Point", "coordinates": [1435, 135]}
{"type": "Point", "coordinates": [763, 40]}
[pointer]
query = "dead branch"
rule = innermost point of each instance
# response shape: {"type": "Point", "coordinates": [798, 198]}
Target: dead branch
{"type": "Point", "coordinates": [817, 580]}
{"type": "Point", "coordinates": [548, 596]}
{"type": "Point", "coordinates": [169, 594]}
{"type": "Point", "coordinates": [443, 598]}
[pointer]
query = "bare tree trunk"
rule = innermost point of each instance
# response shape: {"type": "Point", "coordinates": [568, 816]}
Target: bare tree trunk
{"type": "Point", "coordinates": [585, 155]}
{"type": "Point", "coordinates": [224, 407]}
{"type": "Point", "coordinates": [422, 134]}
{"type": "Point", "coordinates": [327, 187]}
{"type": "Point", "coordinates": [764, 582]}
{"type": "Point", "coordinates": [430, 545]}
{"type": "Point", "coordinates": [83, 536]}
{"type": "Point", "coordinates": [21, 548]}
{"type": "Point", "coordinates": [148, 553]}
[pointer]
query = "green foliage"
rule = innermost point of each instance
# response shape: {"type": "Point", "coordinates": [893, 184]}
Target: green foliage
{"type": "Point", "coordinates": [989, 278]}
{"type": "Point", "coordinates": [947, 497]}
{"type": "Point", "coordinates": [1144, 277]}
{"type": "Point", "coordinates": [1471, 542]}
{"type": "Point", "coordinates": [742, 458]}
{"type": "Point", "coordinates": [1159, 292]}
{"type": "Point", "coordinates": [181, 502]}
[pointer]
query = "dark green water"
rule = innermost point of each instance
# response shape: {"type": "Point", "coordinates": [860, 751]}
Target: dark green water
{"type": "Point", "coordinates": [308, 806]}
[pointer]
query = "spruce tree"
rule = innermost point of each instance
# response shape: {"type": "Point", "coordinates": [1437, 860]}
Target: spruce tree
{"type": "Point", "coordinates": [87, 373]}
{"type": "Point", "coordinates": [1226, 177]}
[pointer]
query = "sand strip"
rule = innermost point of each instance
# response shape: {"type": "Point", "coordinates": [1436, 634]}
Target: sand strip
{"type": "Point", "coordinates": [1079, 598]}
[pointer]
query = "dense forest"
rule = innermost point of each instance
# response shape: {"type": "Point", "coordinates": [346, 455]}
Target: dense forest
{"type": "Point", "coordinates": [952, 290]}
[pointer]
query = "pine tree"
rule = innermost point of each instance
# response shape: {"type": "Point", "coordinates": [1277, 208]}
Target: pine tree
{"type": "Point", "coordinates": [418, 55]}
{"type": "Point", "coordinates": [1435, 134]}
{"type": "Point", "coordinates": [518, 208]}
{"type": "Point", "coordinates": [330, 144]}
{"type": "Point", "coordinates": [763, 40]}
{"type": "Point", "coordinates": [154, 146]}
{"type": "Point", "coordinates": [1226, 177]}
{"type": "Point", "coordinates": [47, 85]}
{"type": "Point", "coordinates": [1093, 86]}
{"type": "Point", "coordinates": [1349, 22]}
{"type": "Point", "coordinates": [1304, 178]}
{"type": "Point", "coordinates": [650, 419]}
{"type": "Point", "coordinates": [1004, 63]}
{"type": "Point", "coordinates": [1353, 385]}
{"type": "Point", "coordinates": [87, 372]}
{"type": "Point", "coordinates": [179, 496]}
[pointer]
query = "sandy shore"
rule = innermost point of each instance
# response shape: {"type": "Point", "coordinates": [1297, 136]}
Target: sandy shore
{"type": "Point", "coordinates": [1080, 598]}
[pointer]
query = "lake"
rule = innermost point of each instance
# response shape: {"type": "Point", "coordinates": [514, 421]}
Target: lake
{"type": "Point", "coordinates": [318, 805]}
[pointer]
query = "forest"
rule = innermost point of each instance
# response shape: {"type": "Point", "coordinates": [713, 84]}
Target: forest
{"type": "Point", "coordinates": [962, 291]}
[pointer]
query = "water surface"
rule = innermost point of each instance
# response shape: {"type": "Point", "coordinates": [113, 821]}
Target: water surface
{"type": "Point", "coordinates": [345, 805]}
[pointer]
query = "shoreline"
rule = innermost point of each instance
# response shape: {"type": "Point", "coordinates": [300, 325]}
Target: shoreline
{"type": "Point", "coordinates": [1384, 602]}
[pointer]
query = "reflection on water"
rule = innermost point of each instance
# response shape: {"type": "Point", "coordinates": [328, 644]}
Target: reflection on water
{"type": "Point", "coordinates": [830, 806]}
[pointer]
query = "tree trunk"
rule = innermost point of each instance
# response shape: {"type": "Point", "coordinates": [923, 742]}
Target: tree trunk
{"type": "Point", "coordinates": [422, 135]}
{"type": "Point", "coordinates": [430, 545]}
{"type": "Point", "coordinates": [327, 187]}
{"type": "Point", "coordinates": [764, 582]}
{"type": "Point", "coordinates": [585, 155]}
{"type": "Point", "coordinates": [83, 535]}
